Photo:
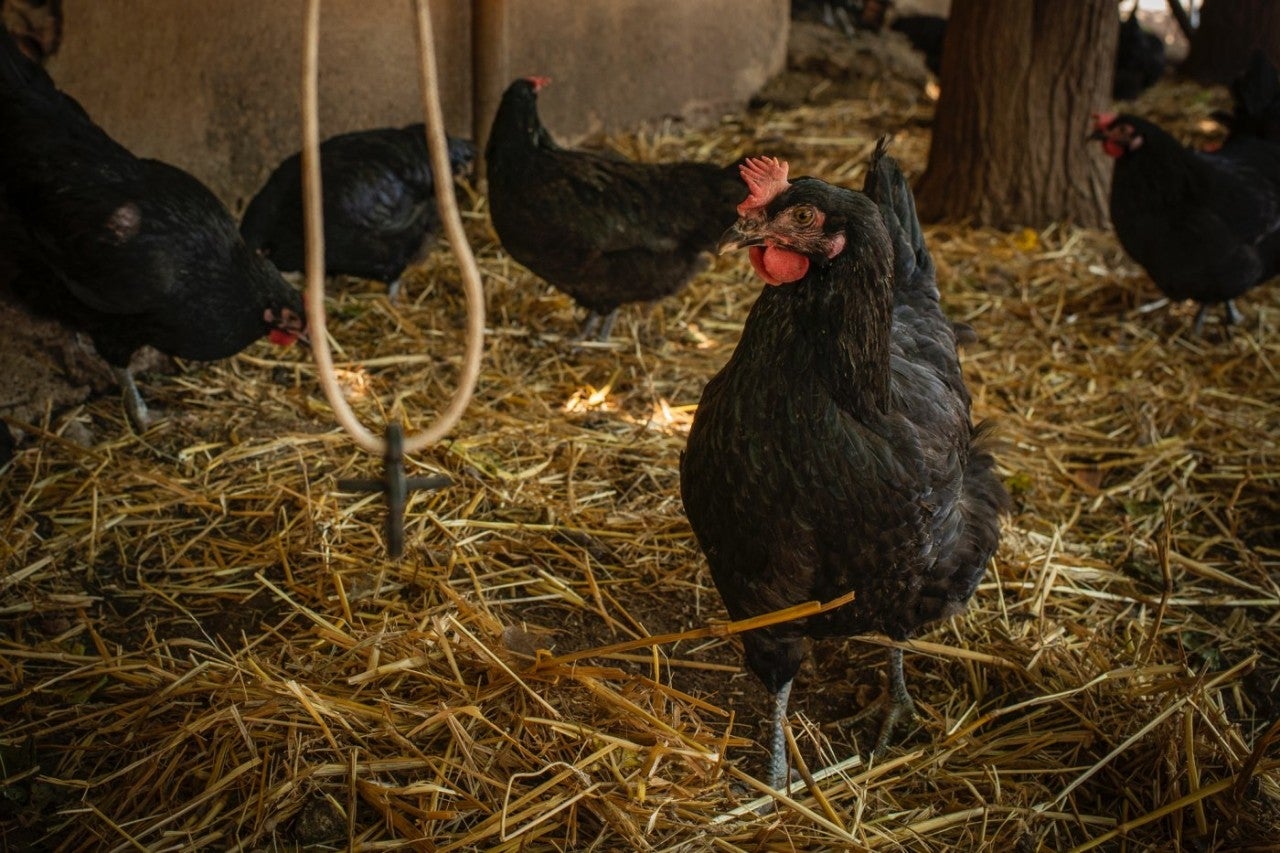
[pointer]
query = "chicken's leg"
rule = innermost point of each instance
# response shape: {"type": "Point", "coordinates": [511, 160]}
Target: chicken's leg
{"type": "Point", "coordinates": [1198, 326]}
{"type": "Point", "coordinates": [897, 703]}
{"type": "Point", "coordinates": [133, 402]}
{"type": "Point", "coordinates": [393, 290]}
{"type": "Point", "coordinates": [606, 325]}
{"type": "Point", "coordinates": [1230, 315]}
{"type": "Point", "coordinates": [589, 327]}
{"type": "Point", "coordinates": [778, 745]}
{"type": "Point", "coordinates": [597, 326]}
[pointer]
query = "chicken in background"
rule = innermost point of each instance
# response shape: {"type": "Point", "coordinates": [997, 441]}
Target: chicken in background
{"type": "Point", "coordinates": [603, 229]}
{"type": "Point", "coordinates": [379, 204]}
{"type": "Point", "coordinates": [131, 251]}
{"type": "Point", "coordinates": [1139, 59]}
{"type": "Point", "coordinates": [36, 26]}
{"type": "Point", "coordinates": [835, 451]}
{"type": "Point", "coordinates": [926, 34]}
{"type": "Point", "coordinates": [1205, 225]}
{"type": "Point", "coordinates": [1255, 101]}
{"type": "Point", "coordinates": [845, 15]}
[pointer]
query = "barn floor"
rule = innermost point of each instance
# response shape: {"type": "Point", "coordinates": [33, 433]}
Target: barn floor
{"type": "Point", "coordinates": [204, 647]}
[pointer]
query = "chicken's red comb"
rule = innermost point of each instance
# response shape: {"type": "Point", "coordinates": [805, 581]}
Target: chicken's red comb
{"type": "Point", "coordinates": [1102, 121]}
{"type": "Point", "coordinates": [766, 177]}
{"type": "Point", "coordinates": [538, 82]}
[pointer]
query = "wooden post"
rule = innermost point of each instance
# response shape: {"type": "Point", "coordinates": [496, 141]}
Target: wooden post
{"type": "Point", "coordinates": [489, 71]}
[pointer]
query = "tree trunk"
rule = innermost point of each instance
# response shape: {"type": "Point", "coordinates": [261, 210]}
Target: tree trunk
{"type": "Point", "coordinates": [1020, 79]}
{"type": "Point", "coordinates": [1229, 32]}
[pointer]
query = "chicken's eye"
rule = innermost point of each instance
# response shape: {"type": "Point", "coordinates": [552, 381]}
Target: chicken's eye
{"type": "Point", "coordinates": [803, 215]}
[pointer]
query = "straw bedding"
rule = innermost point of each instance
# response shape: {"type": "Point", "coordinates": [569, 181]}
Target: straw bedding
{"type": "Point", "coordinates": [204, 647]}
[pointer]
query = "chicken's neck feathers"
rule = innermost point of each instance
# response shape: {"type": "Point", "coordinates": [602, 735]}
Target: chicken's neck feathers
{"type": "Point", "coordinates": [836, 333]}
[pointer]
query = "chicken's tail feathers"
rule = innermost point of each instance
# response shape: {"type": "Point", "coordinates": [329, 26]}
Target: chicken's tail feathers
{"type": "Point", "coordinates": [888, 188]}
{"type": "Point", "coordinates": [462, 155]}
{"type": "Point", "coordinates": [17, 72]}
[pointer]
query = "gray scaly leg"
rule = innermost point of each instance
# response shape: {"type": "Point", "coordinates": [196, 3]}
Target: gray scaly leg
{"type": "Point", "coordinates": [606, 325]}
{"type": "Point", "coordinates": [1230, 315]}
{"type": "Point", "coordinates": [778, 745]}
{"type": "Point", "coordinates": [897, 703]}
{"type": "Point", "coordinates": [133, 402]}
{"type": "Point", "coordinates": [393, 291]}
{"type": "Point", "coordinates": [1198, 326]}
{"type": "Point", "coordinates": [589, 327]}
{"type": "Point", "coordinates": [597, 326]}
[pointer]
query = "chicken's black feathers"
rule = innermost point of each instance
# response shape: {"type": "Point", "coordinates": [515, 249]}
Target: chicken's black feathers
{"type": "Point", "coordinates": [1255, 101]}
{"type": "Point", "coordinates": [1139, 59]}
{"type": "Point", "coordinates": [379, 203]}
{"type": "Point", "coordinates": [603, 229]}
{"type": "Point", "coordinates": [128, 250]}
{"type": "Point", "coordinates": [835, 450]}
{"type": "Point", "coordinates": [1204, 224]}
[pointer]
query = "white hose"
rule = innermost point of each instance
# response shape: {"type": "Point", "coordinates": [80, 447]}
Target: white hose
{"type": "Point", "coordinates": [311, 195]}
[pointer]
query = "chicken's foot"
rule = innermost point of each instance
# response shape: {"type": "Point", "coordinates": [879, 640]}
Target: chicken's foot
{"type": "Point", "coordinates": [897, 703]}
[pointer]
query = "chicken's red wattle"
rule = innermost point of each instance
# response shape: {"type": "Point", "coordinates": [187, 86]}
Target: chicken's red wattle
{"type": "Point", "coordinates": [778, 266]}
{"type": "Point", "coordinates": [280, 337]}
{"type": "Point", "coordinates": [1113, 148]}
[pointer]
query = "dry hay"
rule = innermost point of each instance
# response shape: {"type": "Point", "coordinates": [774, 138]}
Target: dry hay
{"type": "Point", "coordinates": [204, 647]}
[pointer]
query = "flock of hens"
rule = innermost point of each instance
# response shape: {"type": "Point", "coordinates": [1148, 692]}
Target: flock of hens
{"type": "Point", "coordinates": [833, 453]}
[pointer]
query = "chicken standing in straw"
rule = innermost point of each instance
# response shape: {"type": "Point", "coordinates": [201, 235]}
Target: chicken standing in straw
{"type": "Point", "coordinates": [835, 451]}
{"type": "Point", "coordinates": [603, 229]}
{"type": "Point", "coordinates": [379, 204]}
{"type": "Point", "coordinates": [131, 251]}
{"type": "Point", "coordinates": [1204, 224]}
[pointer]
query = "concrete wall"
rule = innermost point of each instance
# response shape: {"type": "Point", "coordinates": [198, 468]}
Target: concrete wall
{"type": "Point", "coordinates": [213, 85]}
{"type": "Point", "coordinates": [615, 63]}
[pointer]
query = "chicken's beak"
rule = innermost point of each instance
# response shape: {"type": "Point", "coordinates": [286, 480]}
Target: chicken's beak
{"type": "Point", "coordinates": [1097, 135]}
{"type": "Point", "coordinates": [740, 235]}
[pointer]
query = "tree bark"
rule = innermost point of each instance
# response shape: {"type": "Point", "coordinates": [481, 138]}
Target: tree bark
{"type": "Point", "coordinates": [1229, 32]}
{"type": "Point", "coordinates": [1020, 79]}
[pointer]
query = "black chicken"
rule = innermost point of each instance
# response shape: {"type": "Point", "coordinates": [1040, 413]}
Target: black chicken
{"type": "Point", "coordinates": [379, 204]}
{"type": "Point", "coordinates": [131, 251]}
{"type": "Point", "coordinates": [604, 230]}
{"type": "Point", "coordinates": [927, 33]}
{"type": "Point", "coordinates": [835, 450]}
{"type": "Point", "coordinates": [1205, 225]}
{"type": "Point", "coordinates": [1139, 59]}
{"type": "Point", "coordinates": [1255, 101]}
{"type": "Point", "coordinates": [845, 15]}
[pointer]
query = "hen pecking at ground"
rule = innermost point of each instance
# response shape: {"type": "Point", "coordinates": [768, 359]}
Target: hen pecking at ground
{"type": "Point", "coordinates": [130, 251]}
